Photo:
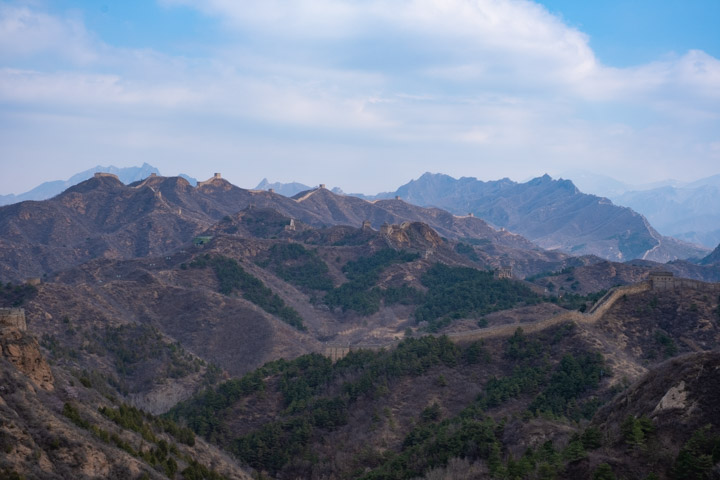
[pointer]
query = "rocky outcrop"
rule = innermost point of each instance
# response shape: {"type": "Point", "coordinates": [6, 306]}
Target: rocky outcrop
{"type": "Point", "coordinates": [22, 350]}
{"type": "Point", "coordinates": [415, 234]}
{"type": "Point", "coordinates": [678, 399]}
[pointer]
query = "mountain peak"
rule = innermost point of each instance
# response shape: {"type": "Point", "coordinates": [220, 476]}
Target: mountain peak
{"type": "Point", "coordinates": [713, 258]}
{"type": "Point", "coordinates": [285, 189]}
{"type": "Point", "coordinates": [543, 180]}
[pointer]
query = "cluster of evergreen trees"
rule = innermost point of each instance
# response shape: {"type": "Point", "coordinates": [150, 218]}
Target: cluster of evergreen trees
{"type": "Point", "coordinates": [232, 276]}
{"type": "Point", "coordinates": [460, 292]}
{"type": "Point", "coordinates": [360, 293]}
{"type": "Point", "coordinates": [319, 396]}
{"type": "Point", "coordinates": [297, 265]}
{"type": "Point", "coordinates": [161, 454]}
{"type": "Point", "coordinates": [452, 292]}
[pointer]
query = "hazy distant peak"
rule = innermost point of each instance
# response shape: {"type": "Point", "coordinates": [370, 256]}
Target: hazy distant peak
{"type": "Point", "coordinates": [541, 180]}
{"type": "Point", "coordinates": [47, 190]}
{"type": "Point", "coordinates": [286, 189]}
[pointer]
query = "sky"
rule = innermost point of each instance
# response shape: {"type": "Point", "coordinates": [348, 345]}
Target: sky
{"type": "Point", "coordinates": [360, 94]}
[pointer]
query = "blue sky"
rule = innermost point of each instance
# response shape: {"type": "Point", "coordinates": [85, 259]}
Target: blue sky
{"type": "Point", "coordinates": [364, 95]}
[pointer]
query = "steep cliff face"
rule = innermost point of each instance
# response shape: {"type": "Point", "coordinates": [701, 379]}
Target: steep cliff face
{"type": "Point", "coordinates": [22, 350]}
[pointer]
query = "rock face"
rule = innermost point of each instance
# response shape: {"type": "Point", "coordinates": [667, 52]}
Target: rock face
{"type": "Point", "coordinates": [22, 350]}
{"type": "Point", "coordinates": [411, 233]}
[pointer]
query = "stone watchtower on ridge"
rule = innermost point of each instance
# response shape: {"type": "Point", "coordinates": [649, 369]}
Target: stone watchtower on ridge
{"type": "Point", "coordinates": [504, 272]}
{"type": "Point", "coordinates": [662, 280]}
{"type": "Point", "coordinates": [216, 176]}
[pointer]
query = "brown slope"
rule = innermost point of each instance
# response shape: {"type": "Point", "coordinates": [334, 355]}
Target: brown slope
{"type": "Point", "coordinates": [182, 304]}
{"type": "Point", "coordinates": [39, 441]}
{"type": "Point", "coordinates": [381, 421]}
{"type": "Point", "coordinates": [679, 398]}
{"type": "Point", "coordinates": [156, 298]}
{"type": "Point", "coordinates": [349, 210]}
{"type": "Point", "coordinates": [491, 249]}
{"type": "Point", "coordinates": [593, 275]}
{"type": "Point", "coordinates": [97, 218]}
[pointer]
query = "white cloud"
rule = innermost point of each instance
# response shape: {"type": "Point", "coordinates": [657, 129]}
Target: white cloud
{"type": "Point", "coordinates": [78, 90]}
{"type": "Point", "coordinates": [26, 32]}
{"type": "Point", "coordinates": [371, 79]}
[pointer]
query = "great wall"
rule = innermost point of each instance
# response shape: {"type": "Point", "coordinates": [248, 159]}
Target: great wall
{"type": "Point", "coordinates": [657, 281]}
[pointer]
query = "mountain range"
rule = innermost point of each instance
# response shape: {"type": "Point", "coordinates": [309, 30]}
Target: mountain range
{"type": "Point", "coordinates": [103, 217]}
{"type": "Point", "coordinates": [50, 189]}
{"type": "Point", "coordinates": [556, 215]}
{"type": "Point", "coordinates": [689, 213]}
{"type": "Point", "coordinates": [552, 213]}
{"type": "Point", "coordinates": [325, 336]}
{"type": "Point", "coordinates": [680, 211]}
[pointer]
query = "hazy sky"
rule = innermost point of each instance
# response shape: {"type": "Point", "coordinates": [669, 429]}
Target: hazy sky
{"type": "Point", "coordinates": [360, 94]}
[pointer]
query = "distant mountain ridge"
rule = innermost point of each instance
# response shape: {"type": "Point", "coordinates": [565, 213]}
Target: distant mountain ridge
{"type": "Point", "coordinates": [552, 213]}
{"type": "Point", "coordinates": [290, 189]}
{"type": "Point", "coordinates": [287, 189]}
{"type": "Point", "coordinates": [50, 189]}
{"type": "Point", "coordinates": [691, 213]}
{"type": "Point", "coordinates": [713, 258]}
{"type": "Point", "coordinates": [684, 210]}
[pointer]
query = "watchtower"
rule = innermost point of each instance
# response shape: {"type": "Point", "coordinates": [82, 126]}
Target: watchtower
{"type": "Point", "coordinates": [504, 272]}
{"type": "Point", "coordinates": [662, 280]}
{"type": "Point", "coordinates": [216, 176]}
